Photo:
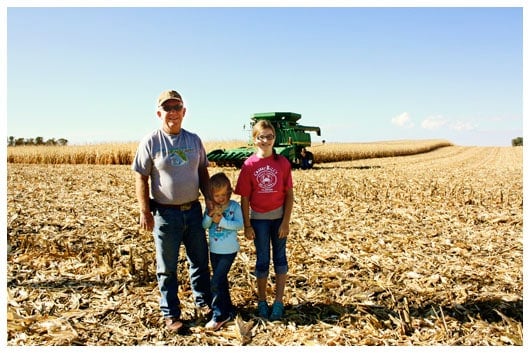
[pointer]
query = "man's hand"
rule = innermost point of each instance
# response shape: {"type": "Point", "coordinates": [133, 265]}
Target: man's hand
{"type": "Point", "coordinates": [216, 213]}
{"type": "Point", "coordinates": [147, 221]}
{"type": "Point", "coordinates": [209, 204]}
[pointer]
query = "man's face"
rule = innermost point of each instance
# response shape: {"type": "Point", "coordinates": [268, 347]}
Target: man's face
{"type": "Point", "coordinates": [172, 113]}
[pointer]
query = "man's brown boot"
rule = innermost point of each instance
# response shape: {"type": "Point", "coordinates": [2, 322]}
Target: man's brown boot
{"type": "Point", "coordinates": [173, 324]}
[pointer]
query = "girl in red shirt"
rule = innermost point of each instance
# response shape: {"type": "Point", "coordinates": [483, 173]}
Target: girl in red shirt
{"type": "Point", "coordinates": [266, 188]}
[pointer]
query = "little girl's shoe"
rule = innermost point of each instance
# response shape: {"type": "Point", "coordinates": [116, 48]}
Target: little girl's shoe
{"type": "Point", "coordinates": [214, 325]}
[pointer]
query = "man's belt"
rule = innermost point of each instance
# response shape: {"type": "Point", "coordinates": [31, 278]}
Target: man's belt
{"type": "Point", "coordinates": [183, 207]}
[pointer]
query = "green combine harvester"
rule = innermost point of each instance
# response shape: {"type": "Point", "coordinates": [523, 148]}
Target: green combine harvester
{"type": "Point", "coordinates": [291, 138]}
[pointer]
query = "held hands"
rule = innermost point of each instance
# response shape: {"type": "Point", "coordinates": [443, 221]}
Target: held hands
{"type": "Point", "coordinates": [216, 217]}
{"type": "Point", "coordinates": [216, 212]}
{"type": "Point", "coordinates": [210, 204]}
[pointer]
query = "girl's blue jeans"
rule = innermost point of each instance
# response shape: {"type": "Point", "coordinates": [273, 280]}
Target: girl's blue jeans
{"type": "Point", "coordinates": [222, 306]}
{"type": "Point", "coordinates": [173, 227]}
{"type": "Point", "coordinates": [266, 232]}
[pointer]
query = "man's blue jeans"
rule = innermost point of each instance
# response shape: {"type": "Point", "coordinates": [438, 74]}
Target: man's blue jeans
{"type": "Point", "coordinates": [221, 302]}
{"type": "Point", "coordinates": [173, 227]}
{"type": "Point", "coordinates": [266, 232]}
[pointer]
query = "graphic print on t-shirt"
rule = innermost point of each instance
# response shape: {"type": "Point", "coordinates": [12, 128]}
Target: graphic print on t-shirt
{"type": "Point", "coordinates": [266, 178]}
{"type": "Point", "coordinates": [178, 156]}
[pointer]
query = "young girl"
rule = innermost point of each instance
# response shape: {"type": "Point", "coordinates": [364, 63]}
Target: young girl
{"type": "Point", "coordinates": [222, 221]}
{"type": "Point", "coordinates": [266, 188]}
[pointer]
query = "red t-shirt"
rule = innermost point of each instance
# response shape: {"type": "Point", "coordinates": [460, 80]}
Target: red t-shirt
{"type": "Point", "coordinates": [265, 182]}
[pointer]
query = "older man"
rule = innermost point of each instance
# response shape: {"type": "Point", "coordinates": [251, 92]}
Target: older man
{"type": "Point", "coordinates": [171, 168]}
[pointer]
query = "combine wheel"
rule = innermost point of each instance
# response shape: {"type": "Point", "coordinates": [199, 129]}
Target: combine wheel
{"type": "Point", "coordinates": [307, 162]}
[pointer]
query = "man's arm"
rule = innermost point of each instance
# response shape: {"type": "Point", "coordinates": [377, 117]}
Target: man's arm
{"type": "Point", "coordinates": [204, 186]}
{"type": "Point", "coordinates": [142, 195]}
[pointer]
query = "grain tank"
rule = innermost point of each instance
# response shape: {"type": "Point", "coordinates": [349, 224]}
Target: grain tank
{"type": "Point", "coordinates": [291, 138]}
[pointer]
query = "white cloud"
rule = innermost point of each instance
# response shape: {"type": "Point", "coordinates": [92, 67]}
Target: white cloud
{"type": "Point", "coordinates": [433, 122]}
{"type": "Point", "coordinates": [402, 120]}
{"type": "Point", "coordinates": [463, 126]}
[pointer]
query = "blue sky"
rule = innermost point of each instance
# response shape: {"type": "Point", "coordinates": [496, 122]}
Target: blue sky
{"type": "Point", "coordinates": [362, 74]}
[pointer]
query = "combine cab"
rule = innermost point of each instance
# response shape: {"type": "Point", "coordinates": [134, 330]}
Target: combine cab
{"type": "Point", "coordinates": [291, 138]}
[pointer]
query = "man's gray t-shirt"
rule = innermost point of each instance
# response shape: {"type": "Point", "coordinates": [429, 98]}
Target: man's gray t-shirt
{"type": "Point", "coordinates": [172, 162]}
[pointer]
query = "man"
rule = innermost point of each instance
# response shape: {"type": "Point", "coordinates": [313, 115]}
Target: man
{"type": "Point", "coordinates": [174, 160]}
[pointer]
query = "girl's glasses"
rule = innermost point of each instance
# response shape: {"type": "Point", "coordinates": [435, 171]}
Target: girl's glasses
{"type": "Point", "coordinates": [266, 137]}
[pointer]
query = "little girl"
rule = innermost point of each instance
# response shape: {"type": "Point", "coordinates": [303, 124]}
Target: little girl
{"type": "Point", "coordinates": [222, 221]}
{"type": "Point", "coordinates": [266, 188]}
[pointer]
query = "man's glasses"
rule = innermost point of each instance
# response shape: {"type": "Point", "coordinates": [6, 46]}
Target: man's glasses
{"type": "Point", "coordinates": [266, 137]}
{"type": "Point", "coordinates": [168, 108]}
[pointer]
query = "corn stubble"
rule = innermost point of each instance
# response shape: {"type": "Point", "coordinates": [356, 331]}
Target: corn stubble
{"type": "Point", "coordinates": [412, 250]}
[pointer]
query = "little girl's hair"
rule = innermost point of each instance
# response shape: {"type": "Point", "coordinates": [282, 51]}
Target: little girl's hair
{"type": "Point", "coordinates": [261, 125]}
{"type": "Point", "coordinates": [220, 180]}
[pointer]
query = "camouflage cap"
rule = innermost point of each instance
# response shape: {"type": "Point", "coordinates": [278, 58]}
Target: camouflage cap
{"type": "Point", "coordinates": [167, 95]}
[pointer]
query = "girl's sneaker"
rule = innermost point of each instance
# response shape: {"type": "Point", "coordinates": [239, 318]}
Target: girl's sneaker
{"type": "Point", "coordinates": [263, 309]}
{"type": "Point", "coordinates": [277, 311]}
{"type": "Point", "coordinates": [214, 325]}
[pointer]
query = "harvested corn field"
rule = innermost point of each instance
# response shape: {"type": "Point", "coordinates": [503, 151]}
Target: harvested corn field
{"type": "Point", "coordinates": [412, 250]}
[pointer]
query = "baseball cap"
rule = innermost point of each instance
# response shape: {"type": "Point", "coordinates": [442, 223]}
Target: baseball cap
{"type": "Point", "coordinates": [167, 95]}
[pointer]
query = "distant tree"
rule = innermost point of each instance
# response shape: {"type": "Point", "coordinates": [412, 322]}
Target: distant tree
{"type": "Point", "coordinates": [62, 142]}
{"type": "Point", "coordinates": [39, 140]}
{"type": "Point", "coordinates": [11, 141]}
{"type": "Point", "coordinates": [19, 141]}
{"type": "Point", "coordinates": [517, 141]}
{"type": "Point", "coordinates": [51, 142]}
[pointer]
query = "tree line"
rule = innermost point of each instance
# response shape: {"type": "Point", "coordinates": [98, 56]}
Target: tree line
{"type": "Point", "coordinates": [35, 141]}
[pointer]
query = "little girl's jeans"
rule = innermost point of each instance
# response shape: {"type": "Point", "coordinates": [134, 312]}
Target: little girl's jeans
{"type": "Point", "coordinates": [222, 306]}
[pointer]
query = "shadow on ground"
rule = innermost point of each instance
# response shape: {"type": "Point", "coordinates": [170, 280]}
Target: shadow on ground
{"type": "Point", "coordinates": [491, 311]}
